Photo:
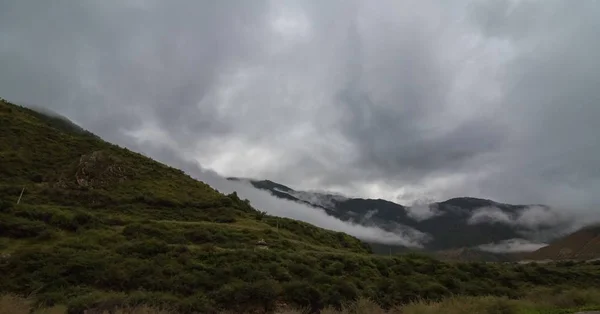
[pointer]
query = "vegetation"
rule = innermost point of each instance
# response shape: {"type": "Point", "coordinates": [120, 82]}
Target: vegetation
{"type": "Point", "coordinates": [102, 227]}
{"type": "Point", "coordinates": [536, 302]}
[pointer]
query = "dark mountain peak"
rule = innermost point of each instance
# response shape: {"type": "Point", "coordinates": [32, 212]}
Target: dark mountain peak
{"type": "Point", "coordinates": [379, 203]}
{"type": "Point", "coordinates": [263, 184]}
{"type": "Point", "coordinates": [268, 184]}
{"type": "Point", "coordinates": [468, 202]}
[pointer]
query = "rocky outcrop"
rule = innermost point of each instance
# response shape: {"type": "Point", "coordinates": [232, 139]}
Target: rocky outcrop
{"type": "Point", "coordinates": [95, 170]}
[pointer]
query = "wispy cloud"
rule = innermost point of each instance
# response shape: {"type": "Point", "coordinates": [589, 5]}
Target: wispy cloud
{"type": "Point", "coordinates": [512, 246]}
{"type": "Point", "coordinates": [279, 207]}
{"type": "Point", "coordinates": [531, 217]}
{"type": "Point", "coordinates": [422, 210]}
{"type": "Point", "coordinates": [264, 201]}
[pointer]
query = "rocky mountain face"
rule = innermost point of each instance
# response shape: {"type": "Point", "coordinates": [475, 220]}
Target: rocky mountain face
{"type": "Point", "coordinates": [462, 222]}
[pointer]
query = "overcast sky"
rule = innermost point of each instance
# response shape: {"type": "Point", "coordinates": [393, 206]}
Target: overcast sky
{"type": "Point", "coordinates": [403, 100]}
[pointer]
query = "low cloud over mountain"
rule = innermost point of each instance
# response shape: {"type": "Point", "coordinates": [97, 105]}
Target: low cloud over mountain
{"type": "Point", "coordinates": [529, 216]}
{"type": "Point", "coordinates": [512, 246]}
{"type": "Point", "coordinates": [263, 200]}
{"type": "Point", "coordinates": [455, 223]}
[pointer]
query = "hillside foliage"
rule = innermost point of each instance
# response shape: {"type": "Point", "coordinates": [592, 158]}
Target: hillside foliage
{"type": "Point", "coordinates": [99, 226]}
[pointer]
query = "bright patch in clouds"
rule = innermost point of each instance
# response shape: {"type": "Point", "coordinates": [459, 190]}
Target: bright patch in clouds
{"type": "Point", "coordinates": [291, 25]}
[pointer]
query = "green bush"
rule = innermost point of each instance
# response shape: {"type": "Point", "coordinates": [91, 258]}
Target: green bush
{"type": "Point", "coordinates": [304, 295]}
{"type": "Point", "coordinates": [144, 249]}
{"type": "Point", "coordinates": [5, 206]}
{"type": "Point", "coordinates": [16, 227]}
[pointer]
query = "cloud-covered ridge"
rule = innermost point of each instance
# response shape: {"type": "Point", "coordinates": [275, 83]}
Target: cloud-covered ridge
{"type": "Point", "coordinates": [315, 198]}
{"type": "Point", "coordinates": [423, 210]}
{"type": "Point", "coordinates": [512, 246]}
{"type": "Point", "coordinates": [530, 217]}
{"type": "Point", "coordinates": [264, 201]}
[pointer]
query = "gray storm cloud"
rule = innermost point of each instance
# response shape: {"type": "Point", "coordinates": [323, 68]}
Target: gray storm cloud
{"type": "Point", "coordinates": [394, 99]}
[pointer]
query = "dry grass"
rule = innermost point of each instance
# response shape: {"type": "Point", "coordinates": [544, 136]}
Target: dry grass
{"type": "Point", "coordinates": [537, 302]}
{"type": "Point", "coordinates": [360, 306]}
{"type": "Point", "coordinates": [566, 298]}
{"type": "Point", "coordinates": [460, 305]}
{"type": "Point", "coordinates": [541, 301]}
{"type": "Point", "coordinates": [11, 304]}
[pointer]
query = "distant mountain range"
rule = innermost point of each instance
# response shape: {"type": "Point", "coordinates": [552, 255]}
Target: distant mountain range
{"type": "Point", "coordinates": [457, 223]}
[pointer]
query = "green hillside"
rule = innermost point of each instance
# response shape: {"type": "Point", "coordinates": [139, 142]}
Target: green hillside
{"type": "Point", "coordinates": [99, 226]}
{"type": "Point", "coordinates": [71, 176]}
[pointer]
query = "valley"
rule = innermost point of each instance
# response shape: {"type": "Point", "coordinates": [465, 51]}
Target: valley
{"type": "Point", "coordinates": [457, 229]}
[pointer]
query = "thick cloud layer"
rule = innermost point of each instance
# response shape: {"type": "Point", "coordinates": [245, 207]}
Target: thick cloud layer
{"type": "Point", "coordinates": [404, 100]}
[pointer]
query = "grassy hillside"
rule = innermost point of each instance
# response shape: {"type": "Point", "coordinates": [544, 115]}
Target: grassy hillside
{"type": "Point", "coordinates": [580, 245]}
{"type": "Point", "coordinates": [102, 227]}
{"type": "Point", "coordinates": [71, 177]}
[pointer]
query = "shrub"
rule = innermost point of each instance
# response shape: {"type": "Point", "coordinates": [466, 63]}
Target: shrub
{"type": "Point", "coordinates": [224, 219]}
{"type": "Point", "coordinates": [303, 294]}
{"type": "Point", "coordinates": [144, 249]}
{"type": "Point", "coordinates": [260, 215]}
{"type": "Point", "coordinates": [99, 301]}
{"type": "Point", "coordinates": [5, 206]}
{"type": "Point", "coordinates": [15, 227]}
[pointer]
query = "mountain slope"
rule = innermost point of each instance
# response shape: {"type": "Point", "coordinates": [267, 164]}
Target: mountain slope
{"type": "Point", "coordinates": [449, 225]}
{"type": "Point", "coordinates": [62, 165]}
{"type": "Point", "coordinates": [99, 226]}
{"type": "Point", "coordinates": [583, 244]}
